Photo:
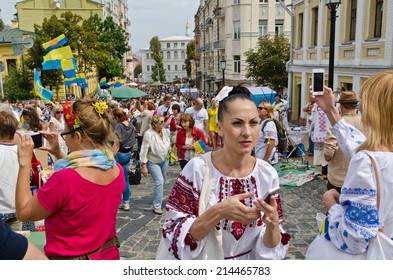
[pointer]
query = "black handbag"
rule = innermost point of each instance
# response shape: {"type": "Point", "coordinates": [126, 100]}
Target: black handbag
{"type": "Point", "coordinates": [135, 170]}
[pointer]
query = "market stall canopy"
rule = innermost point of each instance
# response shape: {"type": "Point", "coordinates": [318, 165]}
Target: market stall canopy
{"type": "Point", "coordinates": [262, 93]}
{"type": "Point", "coordinates": [133, 84]}
{"type": "Point", "coordinates": [126, 93]}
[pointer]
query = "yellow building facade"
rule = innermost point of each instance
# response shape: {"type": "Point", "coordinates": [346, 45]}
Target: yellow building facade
{"type": "Point", "coordinates": [363, 45]}
{"type": "Point", "coordinates": [31, 12]}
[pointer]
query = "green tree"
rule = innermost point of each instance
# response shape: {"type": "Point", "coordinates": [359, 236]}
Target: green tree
{"type": "Point", "coordinates": [1, 24]}
{"type": "Point", "coordinates": [190, 56]}
{"type": "Point", "coordinates": [110, 45]}
{"type": "Point", "coordinates": [137, 70]}
{"type": "Point", "coordinates": [266, 63]}
{"type": "Point", "coordinates": [18, 84]}
{"type": "Point", "coordinates": [158, 73]}
{"type": "Point", "coordinates": [96, 45]}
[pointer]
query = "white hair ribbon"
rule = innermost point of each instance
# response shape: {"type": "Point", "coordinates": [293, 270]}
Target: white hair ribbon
{"type": "Point", "coordinates": [223, 93]}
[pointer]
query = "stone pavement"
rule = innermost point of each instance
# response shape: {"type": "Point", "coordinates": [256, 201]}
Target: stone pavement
{"type": "Point", "coordinates": [139, 229]}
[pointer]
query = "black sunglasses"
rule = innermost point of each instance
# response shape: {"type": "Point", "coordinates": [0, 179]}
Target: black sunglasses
{"type": "Point", "coordinates": [59, 112]}
{"type": "Point", "coordinates": [65, 133]}
{"type": "Point", "coordinates": [261, 108]}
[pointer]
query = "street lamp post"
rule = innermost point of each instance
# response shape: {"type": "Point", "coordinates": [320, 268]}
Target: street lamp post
{"type": "Point", "coordinates": [223, 64]}
{"type": "Point", "coordinates": [332, 6]}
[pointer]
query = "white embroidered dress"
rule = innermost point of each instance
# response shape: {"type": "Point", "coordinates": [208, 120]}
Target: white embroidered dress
{"type": "Point", "coordinates": [239, 241]}
{"type": "Point", "coordinates": [355, 221]}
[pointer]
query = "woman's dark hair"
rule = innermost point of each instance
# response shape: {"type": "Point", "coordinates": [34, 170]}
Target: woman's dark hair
{"type": "Point", "coordinates": [238, 92]}
{"type": "Point", "coordinates": [176, 107]}
{"type": "Point", "coordinates": [34, 123]}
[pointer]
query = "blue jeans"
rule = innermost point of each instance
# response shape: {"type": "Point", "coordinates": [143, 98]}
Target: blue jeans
{"type": "Point", "coordinates": [158, 172]}
{"type": "Point", "coordinates": [124, 160]}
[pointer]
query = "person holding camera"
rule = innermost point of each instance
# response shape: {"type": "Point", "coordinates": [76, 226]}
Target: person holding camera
{"type": "Point", "coordinates": [80, 201]}
{"type": "Point", "coordinates": [361, 210]}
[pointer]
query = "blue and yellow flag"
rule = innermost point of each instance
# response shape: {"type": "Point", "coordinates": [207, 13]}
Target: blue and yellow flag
{"type": "Point", "coordinates": [51, 64]}
{"type": "Point", "coordinates": [39, 90]}
{"type": "Point", "coordinates": [70, 81]}
{"type": "Point", "coordinates": [55, 43]}
{"type": "Point", "coordinates": [81, 80]}
{"type": "Point", "coordinates": [69, 67]}
{"type": "Point", "coordinates": [200, 146]}
{"type": "Point", "coordinates": [59, 54]}
{"type": "Point", "coordinates": [103, 82]}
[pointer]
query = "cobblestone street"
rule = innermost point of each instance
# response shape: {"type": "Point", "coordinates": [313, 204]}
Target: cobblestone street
{"type": "Point", "coordinates": [139, 229]}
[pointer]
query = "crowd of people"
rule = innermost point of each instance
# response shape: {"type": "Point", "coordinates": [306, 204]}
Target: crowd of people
{"type": "Point", "coordinates": [216, 202]}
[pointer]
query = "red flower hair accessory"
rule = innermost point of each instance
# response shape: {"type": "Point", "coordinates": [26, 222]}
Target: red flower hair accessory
{"type": "Point", "coordinates": [70, 117]}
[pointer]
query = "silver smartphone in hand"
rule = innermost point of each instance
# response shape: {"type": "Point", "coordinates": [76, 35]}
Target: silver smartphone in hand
{"type": "Point", "coordinates": [318, 79]}
{"type": "Point", "coordinates": [270, 193]}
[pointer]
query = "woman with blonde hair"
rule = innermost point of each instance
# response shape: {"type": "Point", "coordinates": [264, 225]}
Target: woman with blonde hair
{"type": "Point", "coordinates": [354, 217]}
{"type": "Point", "coordinates": [265, 147]}
{"type": "Point", "coordinates": [156, 145]}
{"type": "Point", "coordinates": [56, 124]}
{"type": "Point", "coordinates": [80, 201]}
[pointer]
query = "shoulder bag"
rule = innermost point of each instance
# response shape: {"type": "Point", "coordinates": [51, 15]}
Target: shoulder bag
{"type": "Point", "coordinates": [379, 248]}
{"type": "Point", "coordinates": [213, 246]}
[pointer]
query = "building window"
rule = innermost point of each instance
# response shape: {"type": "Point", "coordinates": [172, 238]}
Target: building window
{"type": "Point", "coordinates": [169, 68]}
{"type": "Point", "coordinates": [176, 55]}
{"type": "Point", "coordinates": [352, 27]}
{"type": "Point", "coordinates": [175, 45]}
{"type": "Point", "coordinates": [279, 27]}
{"type": "Point", "coordinates": [236, 63]}
{"type": "Point", "coordinates": [236, 29]}
{"type": "Point", "coordinates": [147, 56]}
{"type": "Point", "coordinates": [148, 68]}
{"type": "Point", "coordinates": [11, 65]}
{"type": "Point", "coordinates": [300, 31]}
{"type": "Point", "coordinates": [183, 55]}
{"type": "Point", "coordinates": [168, 55]}
{"type": "Point", "coordinates": [176, 67]}
{"type": "Point", "coordinates": [236, 2]}
{"type": "Point", "coordinates": [378, 18]}
{"type": "Point", "coordinates": [314, 27]}
{"type": "Point", "coordinates": [183, 45]}
{"type": "Point", "coordinates": [168, 45]}
{"type": "Point", "coordinates": [183, 67]}
{"type": "Point", "coordinates": [262, 27]}
{"type": "Point", "coordinates": [263, 1]}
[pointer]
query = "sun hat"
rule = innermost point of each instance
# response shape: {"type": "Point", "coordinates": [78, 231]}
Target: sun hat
{"type": "Point", "coordinates": [348, 97]}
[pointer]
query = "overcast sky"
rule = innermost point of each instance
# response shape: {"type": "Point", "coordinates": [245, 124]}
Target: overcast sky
{"type": "Point", "coordinates": [162, 18]}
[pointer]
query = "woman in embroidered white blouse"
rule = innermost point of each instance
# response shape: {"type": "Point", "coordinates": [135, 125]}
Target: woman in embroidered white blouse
{"type": "Point", "coordinates": [249, 227]}
{"type": "Point", "coordinates": [353, 218]}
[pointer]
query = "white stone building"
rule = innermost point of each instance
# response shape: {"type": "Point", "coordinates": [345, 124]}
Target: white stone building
{"type": "Point", "coordinates": [174, 53]}
{"type": "Point", "coordinates": [363, 44]}
{"type": "Point", "coordinates": [226, 29]}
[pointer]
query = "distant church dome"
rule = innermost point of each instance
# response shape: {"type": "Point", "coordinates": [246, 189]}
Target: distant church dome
{"type": "Point", "coordinates": [188, 29]}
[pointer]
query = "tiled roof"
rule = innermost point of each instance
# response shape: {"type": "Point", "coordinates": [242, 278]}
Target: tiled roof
{"type": "Point", "coordinates": [6, 36]}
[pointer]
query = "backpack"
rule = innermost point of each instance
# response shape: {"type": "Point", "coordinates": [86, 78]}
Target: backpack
{"type": "Point", "coordinates": [127, 138]}
{"type": "Point", "coordinates": [282, 135]}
